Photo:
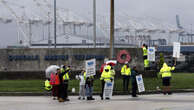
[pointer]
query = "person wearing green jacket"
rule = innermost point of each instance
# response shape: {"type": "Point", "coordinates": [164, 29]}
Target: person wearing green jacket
{"type": "Point", "coordinates": [165, 72]}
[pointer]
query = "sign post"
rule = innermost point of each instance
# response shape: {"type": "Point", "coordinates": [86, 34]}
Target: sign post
{"type": "Point", "coordinates": [151, 53]}
{"type": "Point", "coordinates": [176, 49]}
{"type": "Point", "coordinates": [90, 67]}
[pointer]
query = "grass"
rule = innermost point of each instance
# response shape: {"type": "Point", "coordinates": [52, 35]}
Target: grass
{"type": "Point", "coordinates": [179, 81]}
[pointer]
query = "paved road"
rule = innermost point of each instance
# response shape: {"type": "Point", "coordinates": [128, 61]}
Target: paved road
{"type": "Point", "coordinates": [146, 102]}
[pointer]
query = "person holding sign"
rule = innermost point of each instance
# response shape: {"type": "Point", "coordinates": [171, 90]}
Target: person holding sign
{"type": "Point", "coordinates": [89, 86]}
{"type": "Point", "coordinates": [165, 71]}
{"type": "Point", "coordinates": [106, 76]}
{"type": "Point", "coordinates": [126, 73]}
{"type": "Point", "coordinates": [134, 73]}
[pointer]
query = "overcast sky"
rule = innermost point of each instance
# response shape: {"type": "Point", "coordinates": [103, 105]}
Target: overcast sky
{"type": "Point", "coordinates": [164, 10]}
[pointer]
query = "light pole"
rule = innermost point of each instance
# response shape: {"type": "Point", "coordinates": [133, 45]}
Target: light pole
{"type": "Point", "coordinates": [111, 29]}
{"type": "Point", "coordinates": [94, 21]}
{"type": "Point", "coordinates": [55, 24]}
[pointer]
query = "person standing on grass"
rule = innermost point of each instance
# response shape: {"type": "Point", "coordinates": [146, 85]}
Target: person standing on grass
{"type": "Point", "coordinates": [165, 71]}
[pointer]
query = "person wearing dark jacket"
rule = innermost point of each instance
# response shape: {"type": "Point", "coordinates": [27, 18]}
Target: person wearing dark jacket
{"type": "Point", "coordinates": [134, 73]}
{"type": "Point", "coordinates": [64, 79]}
{"type": "Point", "coordinates": [89, 86]}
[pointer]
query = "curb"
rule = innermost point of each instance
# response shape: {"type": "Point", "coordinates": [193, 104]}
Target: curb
{"type": "Point", "coordinates": [95, 93]}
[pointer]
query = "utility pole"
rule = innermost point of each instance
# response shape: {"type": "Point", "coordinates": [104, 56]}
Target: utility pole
{"type": "Point", "coordinates": [111, 29]}
{"type": "Point", "coordinates": [94, 21]}
{"type": "Point", "coordinates": [55, 24]}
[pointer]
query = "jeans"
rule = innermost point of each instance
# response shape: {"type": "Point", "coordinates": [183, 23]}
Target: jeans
{"type": "Point", "coordinates": [126, 82]}
{"type": "Point", "coordinates": [89, 91]}
{"type": "Point", "coordinates": [82, 91]}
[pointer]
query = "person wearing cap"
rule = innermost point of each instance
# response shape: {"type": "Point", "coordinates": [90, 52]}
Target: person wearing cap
{"type": "Point", "coordinates": [165, 71]}
{"type": "Point", "coordinates": [106, 76]}
{"type": "Point", "coordinates": [126, 73]}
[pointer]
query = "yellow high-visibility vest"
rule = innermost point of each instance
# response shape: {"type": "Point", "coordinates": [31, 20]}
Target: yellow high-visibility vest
{"type": "Point", "coordinates": [146, 63]}
{"type": "Point", "coordinates": [106, 76]}
{"type": "Point", "coordinates": [145, 51]}
{"type": "Point", "coordinates": [47, 85]}
{"type": "Point", "coordinates": [165, 71]}
{"type": "Point", "coordinates": [125, 71]}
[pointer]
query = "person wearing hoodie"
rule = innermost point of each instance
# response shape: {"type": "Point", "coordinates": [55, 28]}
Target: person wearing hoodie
{"type": "Point", "coordinates": [165, 72]}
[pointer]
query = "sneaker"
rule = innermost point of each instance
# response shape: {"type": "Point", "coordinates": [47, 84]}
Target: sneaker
{"type": "Point", "coordinates": [84, 98]}
{"type": "Point", "coordinates": [54, 98]}
{"type": "Point", "coordinates": [79, 98]}
{"type": "Point", "coordinates": [102, 98]}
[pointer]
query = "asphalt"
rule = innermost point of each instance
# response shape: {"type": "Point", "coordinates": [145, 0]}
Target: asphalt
{"type": "Point", "coordinates": [177, 101]}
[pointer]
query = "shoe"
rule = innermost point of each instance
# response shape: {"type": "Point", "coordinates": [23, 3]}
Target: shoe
{"type": "Point", "coordinates": [91, 98]}
{"type": "Point", "coordinates": [67, 100]}
{"type": "Point", "coordinates": [61, 100]}
{"type": "Point", "coordinates": [134, 96]}
{"type": "Point", "coordinates": [164, 93]}
{"type": "Point", "coordinates": [88, 98]}
{"type": "Point", "coordinates": [102, 98]}
{"type": "Point", "coordinates": [84, 98]}
{"type": "Point", "coordinates": [79, 98]}
{"type": "Point", "coordinates": [107, 98]}
{"type": "Point", "coordinates": [54, 98]}
{"type": "Point", "coordinates": [169, 93]}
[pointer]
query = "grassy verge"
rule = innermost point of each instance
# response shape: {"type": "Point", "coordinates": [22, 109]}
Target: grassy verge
{"type": "Point", "coordinates": [179, 81]}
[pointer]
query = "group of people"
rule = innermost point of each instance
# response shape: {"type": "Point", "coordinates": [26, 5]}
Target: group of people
{"type": "Point", "coordinates": [58, 82]}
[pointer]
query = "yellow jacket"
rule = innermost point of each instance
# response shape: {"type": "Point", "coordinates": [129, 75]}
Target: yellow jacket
{"type": "Point", "coordinates": [125, 71]}
{"type": "Point", "coordinates": [165, 71]}
{"type": "Point", "coordinates": [107, 76]}
{"type": "Point", "coordinates": [145, 51]}
{"type": "Point", "coordinates": [47, 85]}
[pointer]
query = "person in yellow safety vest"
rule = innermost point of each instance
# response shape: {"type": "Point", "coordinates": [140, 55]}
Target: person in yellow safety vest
{"type": "Point", "coordinates": [64, 80]}
{"type": "Point", "coordinates": [47, 85]}
{"type": "Point", "coordinates": [145, 56]}
{"type": "Point", "coordinates": [106, 76]}
{"type": "Point", "coordinates": [126, 73]}
{"type": "Point", "coordinates": [165, 71]}
{"type": "Point", "coordinates": [89, 86]}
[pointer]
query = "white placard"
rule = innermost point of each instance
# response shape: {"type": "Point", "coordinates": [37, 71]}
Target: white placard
{"type": "Point", "coordinates": [108, 89]}
{"type": "Point", "coordinates": [140, 83]}
{"type": "Point", "coordinates": [90, 67]}
{"type": "Point", "coordinates": [176, 49]}
{"type": "Point", "coordinates": [151, 53]}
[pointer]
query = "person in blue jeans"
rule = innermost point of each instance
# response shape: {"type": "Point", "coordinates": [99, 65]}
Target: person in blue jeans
{"type": "Point", "coordinates": [89, 87]}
